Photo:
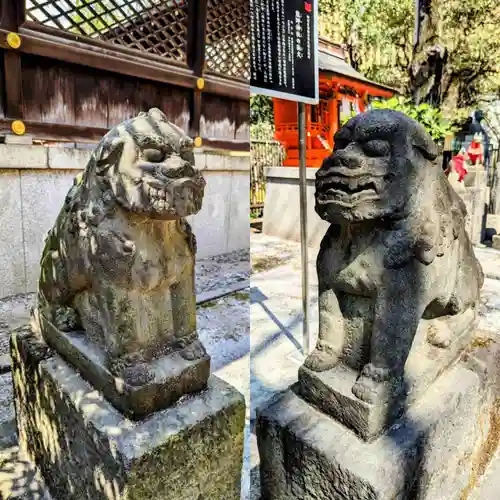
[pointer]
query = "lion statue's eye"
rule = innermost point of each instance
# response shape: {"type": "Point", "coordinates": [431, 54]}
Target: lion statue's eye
{"type": "Point", "coordinates": [376, 147]}
{"type": "Point", "coordinates": [154, 155]}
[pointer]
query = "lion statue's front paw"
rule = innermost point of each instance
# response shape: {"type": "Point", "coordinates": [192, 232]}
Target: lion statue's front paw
{"type": "Point", "coordinates": [193, 351]}
{"type": "Point", "coordinates": [323, 358]}
{"type": "Point", "coordinates": [375, 385]}
{"type": "Point", "coordinates": [66, 319]}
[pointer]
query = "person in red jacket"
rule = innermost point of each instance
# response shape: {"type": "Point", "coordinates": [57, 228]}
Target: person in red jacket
{"type": "Point", "coordinates": [458, 164]}
{"type": "Point", "coordinates": [476, 150]}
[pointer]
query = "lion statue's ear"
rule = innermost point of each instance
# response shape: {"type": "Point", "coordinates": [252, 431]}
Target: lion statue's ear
{"type": "Point", "coordinates": [422, 141]}
{"type": "Point", "coordinates": [109, 154]}
{"type": "Point", "coordinates": [157, 115]}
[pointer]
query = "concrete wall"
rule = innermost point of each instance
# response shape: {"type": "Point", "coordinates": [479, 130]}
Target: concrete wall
{"type": "Point", "coordinates": [34, 181]}
{"type": "Point", "coordinates": [282, 207]}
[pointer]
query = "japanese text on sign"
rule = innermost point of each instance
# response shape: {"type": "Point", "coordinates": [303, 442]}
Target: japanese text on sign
{"type": "Point", "coordinates": [284, 48]}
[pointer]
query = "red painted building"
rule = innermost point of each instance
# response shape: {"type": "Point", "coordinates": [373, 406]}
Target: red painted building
{"type": "Point", "coordinates": [341, 90]}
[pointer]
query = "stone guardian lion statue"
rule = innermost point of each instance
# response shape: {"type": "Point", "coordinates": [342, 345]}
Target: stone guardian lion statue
{"type": "Point", "coordinates": [119, 262]}
{"type": "Point", "coordinates": [396, 253]}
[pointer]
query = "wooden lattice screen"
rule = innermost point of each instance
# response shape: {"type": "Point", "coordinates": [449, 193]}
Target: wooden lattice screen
{"type": "Point", "coordinates": [155, 26]}
{"type": "Point", "coordinates": [227, 49]}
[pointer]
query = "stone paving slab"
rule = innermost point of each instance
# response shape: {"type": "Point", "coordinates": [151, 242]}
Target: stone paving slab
{"type": "Point", "coordinates": [276, 312]}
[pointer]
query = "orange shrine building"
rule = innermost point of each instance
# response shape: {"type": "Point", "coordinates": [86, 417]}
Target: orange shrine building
{"type": "Point", "coordinates": [342, 90]}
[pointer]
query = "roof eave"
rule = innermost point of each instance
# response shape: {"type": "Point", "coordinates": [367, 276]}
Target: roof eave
{"type": "Point", "coordinates": [361, 81]}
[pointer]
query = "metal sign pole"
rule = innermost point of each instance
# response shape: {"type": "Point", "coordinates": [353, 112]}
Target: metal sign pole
{"type": "Point", "coordinates": [303, 226]}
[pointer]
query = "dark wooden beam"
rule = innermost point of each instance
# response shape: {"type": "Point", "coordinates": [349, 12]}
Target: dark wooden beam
{"type": "Point", "coordinates": [120, 60]}
{"type": "Point", "coordinates": [227, 87]}
{"type": "Point", "coordinates": [196, 41]}
{"type": "Point", "coordinates": [226, 145]}
{"type": "Point", "coordinates": [106, 59]}
{"type": "Point", "coordinates": [44, 32]}
{"type": "Point", "coordinates": [13, 84]}
{"type": "Point", "coordinates": [12, 14]}
{"type": "Point", "coordinates": [57, 132]}
{"type": "Point", "coordinates": [195, 113]}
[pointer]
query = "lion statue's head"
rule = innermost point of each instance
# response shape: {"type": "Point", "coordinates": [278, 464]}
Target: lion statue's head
{"type": "Point", "coordinates": [380, 160]}
{"type": "Point", "coordinates": [147, 165]}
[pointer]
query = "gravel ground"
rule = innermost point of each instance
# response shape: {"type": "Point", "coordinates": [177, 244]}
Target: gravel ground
{"type": "Point", "coordinates": [223, 326]}
{"type": "Point", "coordinates": [221, 271]}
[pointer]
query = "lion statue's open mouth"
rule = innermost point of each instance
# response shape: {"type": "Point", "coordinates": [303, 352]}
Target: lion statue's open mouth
{"type": "Point", "coordinates": [153, 172]}
{"type": "Point", "coordinates": [347, 190]}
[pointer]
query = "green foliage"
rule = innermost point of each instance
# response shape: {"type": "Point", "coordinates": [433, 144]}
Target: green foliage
{"type": "Point", "coordinates": [344, 117]}
{"type": "Point", "coordinates": [431, 118]}
{"type": "Point", "coordinates": [378, 37]}
{"type": "Point", "coordinates": [261, 109]}
{"type": "Point", "coordinates": [88, 22]}
{"type": "Point", "coordinates": [262, 130]}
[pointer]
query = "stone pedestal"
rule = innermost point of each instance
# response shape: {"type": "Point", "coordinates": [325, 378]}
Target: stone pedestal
{"type": "Point", "coordinates": [86, 449]}
{"type": "Point", "coordinates": [331, 390]}
{"type": "Point", "coordinates": [171, 376]}
{"type": "Point", "coordinates": [438, 450]}
{"type": "Point", "coordinates": [474, 192]}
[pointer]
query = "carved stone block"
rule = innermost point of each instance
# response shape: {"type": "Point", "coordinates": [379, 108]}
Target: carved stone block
{"type": "Point", "coordinates": [331, 390]}
{"type": "Point", "coordinates": [439, 449]}
{"type": "Point", "coordinates": [85, 448]}
{"type": "Point", "coordinates": [171, 376]}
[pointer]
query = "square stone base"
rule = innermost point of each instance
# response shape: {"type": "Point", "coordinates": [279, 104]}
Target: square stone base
{"type": "Point", "coordinates": [438, 450]}
{"type": "Point", "coordinates": [173, 376]}
{"type": "Point", "coordinates": [331, 390]}
{"type": "Point", "coordinates": [86, 449]}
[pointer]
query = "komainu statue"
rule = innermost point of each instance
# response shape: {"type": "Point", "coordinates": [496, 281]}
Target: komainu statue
{"type": "Point", "coordinates": [396, 268]}
{"type": "Point", "coordinates": [399, 398]}
{"type": "Point", "coordinates": [118, 265]}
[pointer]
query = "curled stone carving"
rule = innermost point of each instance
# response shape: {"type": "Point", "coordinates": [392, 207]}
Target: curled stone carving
{"type": "Point", "coordinates": [398, 279]}
{"type": "Point", "coordinates": [118, 265]}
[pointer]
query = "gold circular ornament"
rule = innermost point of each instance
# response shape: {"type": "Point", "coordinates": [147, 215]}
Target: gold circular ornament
{"type": "Point", "coordinates": [197, 142]}
{"type": "Point", "coordinates": [14, 40]}
{"type": "Point", "coordinates": [200, 83]}
{"type": "Point", "coordinates": [18, 127]}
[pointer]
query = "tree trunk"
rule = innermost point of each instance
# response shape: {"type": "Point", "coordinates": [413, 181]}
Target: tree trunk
{"type": "Point", "coordinates": [428, 67]}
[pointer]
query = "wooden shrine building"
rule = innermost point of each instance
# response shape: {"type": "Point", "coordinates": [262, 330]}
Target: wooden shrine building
{"type": "Point", "coordinates": [342, 90]}
{"type": "Point", "coordinates": [70, 70]}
